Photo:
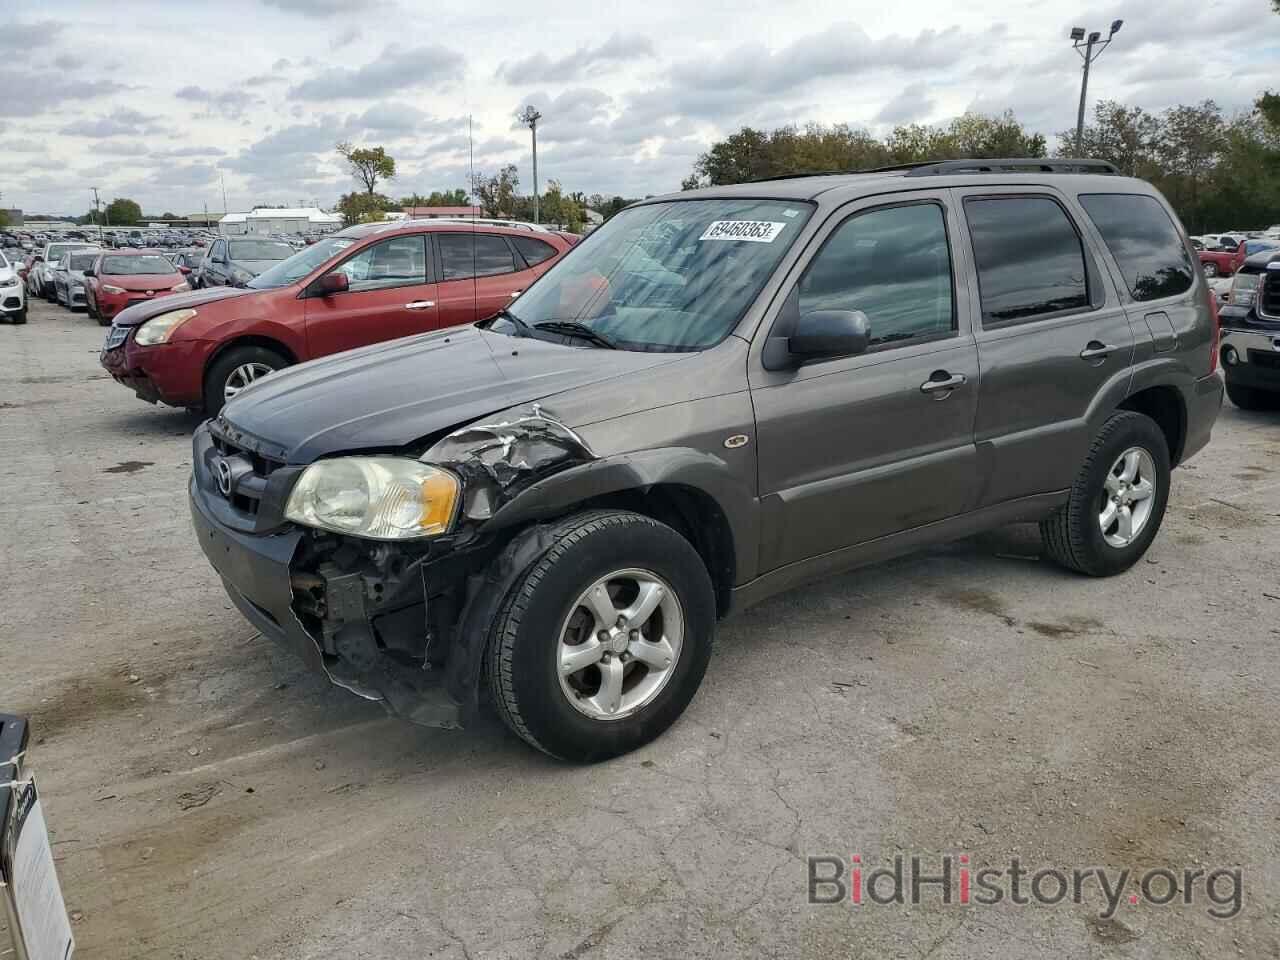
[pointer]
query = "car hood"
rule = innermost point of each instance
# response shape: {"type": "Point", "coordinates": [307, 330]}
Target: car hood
{"type": "Point", "coordinates": [142, 312]}
{"type": "Point", "coordinates": [143, 281]}
{"type": "Point", "coordinates": [387, 396]}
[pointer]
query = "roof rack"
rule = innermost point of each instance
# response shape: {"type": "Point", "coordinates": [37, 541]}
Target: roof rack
{"type": "Point", "coordinates": [934, 168]}
{"type": "Point", "coordinates": [1012, 165]}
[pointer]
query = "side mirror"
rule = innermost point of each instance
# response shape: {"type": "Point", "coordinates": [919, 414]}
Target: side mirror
{"type": "Point", "coordinates": [332, 283]}
{"type": "Point", "coordinates": [829, 333]}
{"type": "Point", "coordinates": [89, 272]}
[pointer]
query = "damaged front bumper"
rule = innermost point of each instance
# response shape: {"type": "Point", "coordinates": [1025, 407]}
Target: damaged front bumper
{"type": "Point", "coordinates": [401, 623]}
{"type": "Point", "coordinates": [321, 615]}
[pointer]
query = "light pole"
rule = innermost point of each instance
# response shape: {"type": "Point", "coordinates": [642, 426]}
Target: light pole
{"type": "Point", "coordinates": [530, 118]}
{"type": "Point", "coordinates": [97, 208]}
{"type": "Point", "coordinates": [1089, 54]}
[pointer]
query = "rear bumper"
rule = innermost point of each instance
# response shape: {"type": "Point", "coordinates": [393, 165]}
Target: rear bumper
{"type": "Point", "coordinates": [1204, 402]}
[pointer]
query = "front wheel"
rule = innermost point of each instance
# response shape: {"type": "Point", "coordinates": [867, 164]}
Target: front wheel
{"type": "Point", "coordinates": [1117, 501]}
{"type": "Point", "coordinates": [1210, 269]}
{"type": "Point", "coordinates": [604, 639]}
{"type": "Point", "coordinates": [234, 371]}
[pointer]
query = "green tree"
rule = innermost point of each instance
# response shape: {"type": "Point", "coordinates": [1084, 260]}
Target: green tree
{"type": "Point", "coordinates": [368, 165]}
{"type": "Point", "coordinates": [358, 207]}
{"type": "Point", "coordinates": [437, 198]}
{"type": "Point", "coordinates": [123, 212]}
{"type": "Point", "coordinates": [496, 194]}
{"type": "Point", "coordinates": [1125, 136]}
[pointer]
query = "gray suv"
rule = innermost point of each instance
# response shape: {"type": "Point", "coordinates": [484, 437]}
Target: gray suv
{"type": "Point", "coordinates": [718, 395]}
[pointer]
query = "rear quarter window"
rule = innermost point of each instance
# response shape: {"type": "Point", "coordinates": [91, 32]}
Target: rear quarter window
{"type": "Point", "coordinates": [533, 250]}
{"type": "Point", "coordinates": [1144, 241]}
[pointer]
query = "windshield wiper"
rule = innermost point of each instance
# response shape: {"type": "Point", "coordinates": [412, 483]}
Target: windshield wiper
{"type": "Point", "coordinates": [522, 326]}
{"type": "Point", "coordinates": [572, 328]}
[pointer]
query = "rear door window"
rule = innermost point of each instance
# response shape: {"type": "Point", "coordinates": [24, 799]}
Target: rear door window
{"type": "Point", "coordinates": [533, 250]}
{"type": "Point", "coordinates": [1030, 259]}
{"type": "Point", "coordinates": [465, 255]}
{"type": "Point", "coordinates": [1144, 242]}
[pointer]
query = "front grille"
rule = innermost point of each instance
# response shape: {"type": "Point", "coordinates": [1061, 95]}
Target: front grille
{"type": "Point", "coordinates": [248, 488]}
{"type": "Point", "coordinates": [115, 337]}
{"type": "Point", "coordinates": [1263, 359]}
{"type": "Point", "coordinates": [12, 303]}
{"type": "Point", "coordinates": [1268, 303]}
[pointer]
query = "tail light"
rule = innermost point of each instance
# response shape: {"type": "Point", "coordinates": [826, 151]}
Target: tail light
{"type": "Point", "coordinates": [1217, 333]}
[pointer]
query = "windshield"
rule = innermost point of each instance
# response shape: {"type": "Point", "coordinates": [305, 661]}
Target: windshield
{"type": "Point", "coordinates": [673, 276]}
{"type": "Point", "coordinates": [300, 264]}
{"type": "Point", "coordinates": [82, 261]}
{"type": "Point", "coordinates": [144, 263]}
{"type": "Point", "coordinates": [260, 250]}
{"type": "Point", "coordinates": [56, 250]}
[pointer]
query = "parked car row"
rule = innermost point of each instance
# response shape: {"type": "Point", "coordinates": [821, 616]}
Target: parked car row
{"type": "Point", "coordinates": [1222, 255]}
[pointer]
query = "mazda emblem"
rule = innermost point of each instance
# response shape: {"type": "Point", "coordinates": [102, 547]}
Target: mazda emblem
{"type": "Point", "coordinates": [222, 470]}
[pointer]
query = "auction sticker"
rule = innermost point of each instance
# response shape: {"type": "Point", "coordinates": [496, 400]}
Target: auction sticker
{"type": "Point", "coordinates": [752, 231]}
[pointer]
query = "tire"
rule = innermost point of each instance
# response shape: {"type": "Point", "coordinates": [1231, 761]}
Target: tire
{"type": "Point", "coordinates": [89, 309]}
{"type": "Point", "coordinates": [1210, 269]}
{"type": "Point", "coordinates": [225, 366]}
{"type": "Point", "coordinates": [21, 315]}
{"type": "Point", "coordinates": [1073, 536]}
{"type": "Point", "coordinates": [1251, 398]}
{"type": "Point", "coordinates": [525, 638]}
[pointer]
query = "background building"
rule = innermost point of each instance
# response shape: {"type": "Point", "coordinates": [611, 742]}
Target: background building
{"type": "Point", "coordinates": [267, 220]}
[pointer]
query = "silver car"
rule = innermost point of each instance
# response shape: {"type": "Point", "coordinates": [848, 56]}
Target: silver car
{"type": "Point", "coordinates": [68, 278]}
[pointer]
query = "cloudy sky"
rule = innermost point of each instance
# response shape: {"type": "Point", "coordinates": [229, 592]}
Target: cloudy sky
{"type": "Point", "coordinates": [158, 101]}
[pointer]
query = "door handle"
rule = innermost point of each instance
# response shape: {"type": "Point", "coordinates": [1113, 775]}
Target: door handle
{"type": "Point", "coordinates": [1096, 351]}
{"type": "Point", "coordinates": [420, 305]}
{"type": "Point", "coordinates": [941, 388]}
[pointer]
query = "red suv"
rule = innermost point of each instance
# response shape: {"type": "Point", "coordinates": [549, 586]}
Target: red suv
{"type": "Point", "coordinates": [366, 284]}
{"type": "Point", "coordinates": [123, 278]}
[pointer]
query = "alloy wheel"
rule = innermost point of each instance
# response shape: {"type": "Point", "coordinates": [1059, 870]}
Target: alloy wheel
{"type": "Point", "coordinates": [620, 644]}
{"type": "Point", "coordinates": [242, 376]}
{"type": "Point", "coordinates": [1127, 498]}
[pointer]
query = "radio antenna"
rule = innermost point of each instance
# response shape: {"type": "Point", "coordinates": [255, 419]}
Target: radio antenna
{"type": "Point", "coordinates": [471, 154]}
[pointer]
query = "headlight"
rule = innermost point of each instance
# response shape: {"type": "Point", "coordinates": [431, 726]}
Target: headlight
{"type": "Point", "coordinates": [160, 329]}
{"type": "Point", "coordinates": [381, 498]}
{"type": "Point", "coordinates": [10, 282]}
{"type": "Point", "coordinates": [109, 288]}
{"type": "Point", "coordinates": [179, 288]}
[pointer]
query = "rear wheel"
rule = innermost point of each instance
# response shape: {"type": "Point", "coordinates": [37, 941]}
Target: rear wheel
{"type": "Point", "coordinates": [1251, 398]}
{"type": "Point", "coordinates": [235, 370]}
{"type": "Point", "coordinates": [21, 315]}
{"type": "Point", "coordinates": [1117, 502]}
{"type": "Point", "coordinates": [604, 639]}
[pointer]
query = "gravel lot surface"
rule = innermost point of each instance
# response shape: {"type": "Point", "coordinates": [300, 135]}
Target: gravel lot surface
{"type": "Point", "coordinates": [210, 800]}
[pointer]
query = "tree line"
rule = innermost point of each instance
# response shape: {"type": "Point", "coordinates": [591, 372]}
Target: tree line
{"type": "Point", "coordinates": [1219, 172]}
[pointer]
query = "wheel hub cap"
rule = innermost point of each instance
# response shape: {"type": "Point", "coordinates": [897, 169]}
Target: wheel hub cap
{"type": "Point", "coordinates": [1128, 497]}
{"type": "Point", "coordinates": [619, 644]}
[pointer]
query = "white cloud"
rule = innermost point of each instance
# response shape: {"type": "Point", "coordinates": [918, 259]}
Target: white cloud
{"type": "Point", "coordinates": [626, 106]}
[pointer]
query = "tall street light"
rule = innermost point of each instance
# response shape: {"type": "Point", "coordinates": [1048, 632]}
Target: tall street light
{"type": "Point", "coordinates": [530, 118]}
{"type": "Point", "coordinates": [1089, 49]}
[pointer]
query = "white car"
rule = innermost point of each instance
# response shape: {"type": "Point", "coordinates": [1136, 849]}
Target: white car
{"type": "Point", "coordinates": [42, 285]}
{"type": "Point", "coordinates": [13, 298]}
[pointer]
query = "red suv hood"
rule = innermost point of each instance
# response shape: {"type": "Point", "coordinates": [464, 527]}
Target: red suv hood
{"type": "Point", "coordinates": [140, 313]}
